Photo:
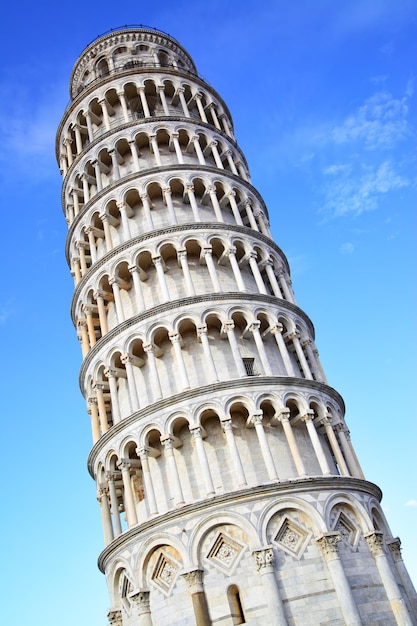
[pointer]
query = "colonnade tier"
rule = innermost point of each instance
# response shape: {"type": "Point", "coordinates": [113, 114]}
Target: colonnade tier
{"type": "Point", "coordinates": [133, 95]}
{"type": "Point", "coordinates": [140, 150]}
{"type": "Point", "coordinates": [140, 277]}
{"type": "Point", "coordinates": [181, 454]}
{"type": "Point", "coordinates": [202, 342]}
{"type": "Point", "coordinates": [129, 212]}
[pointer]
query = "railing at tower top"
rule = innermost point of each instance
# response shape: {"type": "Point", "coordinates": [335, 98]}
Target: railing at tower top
{"type": "Point", "coordinates": [129, 27]}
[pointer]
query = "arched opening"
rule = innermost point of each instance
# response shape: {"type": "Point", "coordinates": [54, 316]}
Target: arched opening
{"type": "Point", "coordinates": [235, 605]}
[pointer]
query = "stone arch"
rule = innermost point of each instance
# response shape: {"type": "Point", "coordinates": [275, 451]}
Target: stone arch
{"type": "Point", "coordinates": [216, 520]}
{"type": "Point", "coordinates": [144, 564]}
{"type": "Point", "coordinates": [353, 505]}
{"type": "Point", "coordinates": [280, 505]}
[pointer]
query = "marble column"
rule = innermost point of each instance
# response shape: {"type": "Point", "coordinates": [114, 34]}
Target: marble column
{"type": "Point", "coordinates": [234, 452]}
{"type": "Point", "coordinates": [194, 582]}
{"type": "Point", "coordinates": [264, 560]}
{"type": "Point", "coordinates": [328, 545]}
{"type": "Point", "coordinates": [143, 607]}
{"type": "Point", "coordinates": [375, 541]}
{"type": "Point", "coordinates": [168, 444]}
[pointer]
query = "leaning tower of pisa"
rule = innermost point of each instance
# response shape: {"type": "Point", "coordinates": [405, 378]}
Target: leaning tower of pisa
{"type": "Point", "coordinates": [228, 486]}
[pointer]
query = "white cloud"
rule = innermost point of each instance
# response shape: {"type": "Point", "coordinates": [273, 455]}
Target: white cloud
{"type": "Point", "coordinates": [28, 123]}
{"type": "Point", "coordinates": [379, 123]}
{"type": "Point", "coordinates": [361, 188]}
{"type": "Point", "coordinates": [412, 503]}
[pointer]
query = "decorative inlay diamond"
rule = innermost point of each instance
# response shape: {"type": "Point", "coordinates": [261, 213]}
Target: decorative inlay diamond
{"type": "Point", "coordinates": [225, 552]}
{"type": "Point", "coordinates": [164, 573]}
{"type": "Point", "coordinates": [349, 533]}
{"type": "Point", "coordinates": [291, 537]}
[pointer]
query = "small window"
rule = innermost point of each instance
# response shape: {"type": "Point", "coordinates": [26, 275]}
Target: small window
{"type": "Point", "coordinates": [249, 366]}
{"type": "Point", "coordinates": [235, 605]}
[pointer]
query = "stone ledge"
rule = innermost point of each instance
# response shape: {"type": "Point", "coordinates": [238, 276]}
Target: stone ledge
{"type": "Point", "coordinates": [203, 507]}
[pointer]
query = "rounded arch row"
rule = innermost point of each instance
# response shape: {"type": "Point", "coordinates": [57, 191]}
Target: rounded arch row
{"type": "Point", "coordinates": [131, 152]}
{"type": "Point", "coordinates": [187, 455]}
{"type": "Point", "coordinates": [178, 199]}
{"type": "Point", "coordinates": [193, 351]}
{"type": "Point", "coordinates": [134, 99]}
{"type": "Point", "coordinates": [175, 271]}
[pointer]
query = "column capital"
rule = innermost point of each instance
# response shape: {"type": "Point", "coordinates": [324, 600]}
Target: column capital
{"type": "Point", "coordinates": [226, 423]}
{"type": "Point", "coordinates": [99, 293]}
{"type": "Point", "coordinates": [196, 431]}
{"type": "Point", "coordinates": [189, 187]}
{"type": "Point", "coordinates": [340, 427]}
{"type": "Point", "coordinates": [141, 599]}
{"type": "Point", "coordinates": [394, 546]}
{"type": "Point", "coordinates": [228, 325]}
{"type": "Point", "coordinates": [194, 580]}
{"type": "Point", "coordinates": [264, 559]}
{"type": "Point", "coordinates": [328, 544]}
{"type": "Point", "coordinates": [174, 337]}
{"type": "Point", "coordinates": [115, 618]}
{"type": "Point", "coordinates": [256, 418]}
{"type": "Point", "coordinates": [284, 415]}
{"type": "Point", "coordinates": [207, 251]}
{"type": "Point", "coordinates": [157, 260]}
{"type": "Point", "coordinates": [124, 465]}
{"type": "Point", "coordinates": [306, 342]}
{"type": "Point", "coordinates": [103, 492]}
{"type": "Point", "coordinates": [168, 442]}
{"type": "Point", "coordinates": [202, 330]}
{"type": "Point", "coordinates": [308, 416]}
{"type": "Point", "coordinates": [167, 191]}
{"type": "Point", "coordinates": [142, 452]}
{"type": "Point", "coordinates": [110, 372]}
{"type": "Point", "coordinates": [126, 358]}
{"type": "Point", "coordinates": [277, 328]}
{"type": "Point", "coordinates": [254, 326]}
{"type": "Point", "coordinates": [375, 541]}
{"type": "Point", "coordinates": [231, 250]}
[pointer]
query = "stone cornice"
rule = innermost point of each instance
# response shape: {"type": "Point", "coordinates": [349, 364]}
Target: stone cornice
{"type": "Point", "coordinates": [250, 494]}
{"type": "Point", "coordinates": [179, 228]}
{"type": "Point", "coordinates": [264, 382]}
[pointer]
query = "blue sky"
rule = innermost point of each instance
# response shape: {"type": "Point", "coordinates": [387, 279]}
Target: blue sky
{"type": "Point", "coordinates": [323, 98]}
